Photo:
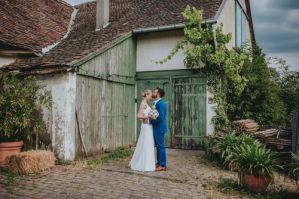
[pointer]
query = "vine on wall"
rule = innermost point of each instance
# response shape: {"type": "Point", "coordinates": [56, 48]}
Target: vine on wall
{"type": "Point", "coordinates": [223, 66]}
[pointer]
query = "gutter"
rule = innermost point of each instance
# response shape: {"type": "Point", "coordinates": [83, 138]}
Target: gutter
{"type": "Point", "coordinates": [168, 27]}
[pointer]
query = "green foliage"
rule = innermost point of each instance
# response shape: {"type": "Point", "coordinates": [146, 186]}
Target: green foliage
{"type": "Point", "coordinates": [18, 113]}
{"type": "Point", "coordinates": [223, 66]}
{"type": "Point", "coordinates": [11, 179]}
{"type": "Point", "coordinates": [270, 96]}
{"type": "Point", "coordinates": [222, 150]}
{"type": "Point", "coordinates": [254, 159]}
{"type": "Point", "coordinates": [228, 145]}
{"type": "Point", "coordinates": [240, 79]}
{"type": "Point", "coordinates": [210, 147]}
{"type": "Point", "coordinates": [260, 98]}
{"type": "Point", "coordinates": [288, 84]}
{"type": "Point", "coordinates": [295, 166]}
{"type": "Point", "coordinates": [119, 153]}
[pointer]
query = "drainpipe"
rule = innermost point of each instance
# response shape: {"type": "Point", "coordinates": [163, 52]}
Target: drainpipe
{"type": "Point", "coordinates": [214, 28]}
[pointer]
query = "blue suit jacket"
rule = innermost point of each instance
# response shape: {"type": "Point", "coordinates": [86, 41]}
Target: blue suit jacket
{"type": "Point", "coordinates": [160, 124]}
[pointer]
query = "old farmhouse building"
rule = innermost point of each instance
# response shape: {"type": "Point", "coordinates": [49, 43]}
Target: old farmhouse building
{"type": "Point", "coordinates": [96, 58]}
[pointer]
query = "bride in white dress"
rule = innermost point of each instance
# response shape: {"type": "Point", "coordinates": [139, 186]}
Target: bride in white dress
{"type": "Point", "coordinates": [144, 154]}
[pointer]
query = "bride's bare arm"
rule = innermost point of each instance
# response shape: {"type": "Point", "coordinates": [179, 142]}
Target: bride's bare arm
{"type": "Point", "coordinates": [140, 115]}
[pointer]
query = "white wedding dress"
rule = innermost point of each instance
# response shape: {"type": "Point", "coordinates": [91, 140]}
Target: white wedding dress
{"type": "Point", "coordinates": [144, 155]}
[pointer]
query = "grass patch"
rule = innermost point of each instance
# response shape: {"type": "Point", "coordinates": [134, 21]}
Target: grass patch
{"type": "Point", "coordinates": [231, 187]}
{"type": "Point", "coordinates": [9, 179]}
{"type": "Point", "coordinates": [119, 153]}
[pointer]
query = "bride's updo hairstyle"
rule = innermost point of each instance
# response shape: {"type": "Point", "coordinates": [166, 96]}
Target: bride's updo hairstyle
{"type": "Point", "coordinates": [146, 92]}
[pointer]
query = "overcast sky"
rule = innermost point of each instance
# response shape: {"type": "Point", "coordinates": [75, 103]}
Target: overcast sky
{"type": "Point", "coordinates": [276, 24]}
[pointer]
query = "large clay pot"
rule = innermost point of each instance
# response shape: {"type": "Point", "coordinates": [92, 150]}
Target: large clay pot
{"type": "Point", "coordinates": [8, 149]}
{"type": "Point", "coordinates": [256, 183]}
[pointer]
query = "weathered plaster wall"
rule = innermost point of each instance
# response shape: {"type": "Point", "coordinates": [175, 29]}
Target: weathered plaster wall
{"type": "Point", "coordinates": [155, 47]}
{"type": "Point", "coordinates": [210, 113]}
{"type": "Point", "coordinates": [6, 60]}
{"type": "Point", "coordinates": [60, 117]}
{"type": "Point", "coordinates": [227, 18]}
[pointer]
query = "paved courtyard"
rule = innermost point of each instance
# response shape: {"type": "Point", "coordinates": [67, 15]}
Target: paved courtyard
{"type": "Point", "coordinates": [188, 176]}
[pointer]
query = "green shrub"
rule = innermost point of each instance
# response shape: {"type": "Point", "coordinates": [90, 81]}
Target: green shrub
{"type": "Point", "coordinates": [18, 111]}
{"type": "Point", "coordinates": [254, 159]}
{"type": "Point", "coordinates": [226, 146]}
{"type": "Point", "coordinates": [288, 83]}
{"type": "Point", "coordinates": [295, 166]}
{"type": "Point", "coordinates": [210, 148]}
{"type": "Point", "coordinates": [260, 100]}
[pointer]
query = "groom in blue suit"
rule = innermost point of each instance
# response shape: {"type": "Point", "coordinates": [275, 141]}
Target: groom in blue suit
{"type": "Point", "coordinates": [160, 128]}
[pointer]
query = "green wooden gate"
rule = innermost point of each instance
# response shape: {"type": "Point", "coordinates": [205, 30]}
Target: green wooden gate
{"type": "Point", "coordinates": [185, 96]}
{"type": "Point", "coordinates": [189, 112]}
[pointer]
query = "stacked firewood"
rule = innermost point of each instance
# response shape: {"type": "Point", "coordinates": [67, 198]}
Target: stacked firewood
{"type": "Point", "coordinates": [248, 126]}
{"type": "Point", "coordinates": [280, 138]}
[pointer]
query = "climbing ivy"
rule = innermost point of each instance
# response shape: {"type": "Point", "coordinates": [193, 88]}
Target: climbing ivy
{"type": "Point", "coordinates": [205, 49]}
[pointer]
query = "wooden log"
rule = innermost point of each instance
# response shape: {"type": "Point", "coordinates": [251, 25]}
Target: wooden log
{"type": "Point", "coordinates": [251, 125]}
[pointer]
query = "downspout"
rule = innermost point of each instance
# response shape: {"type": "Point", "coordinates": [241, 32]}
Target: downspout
{"type": "Point", "coordinates": [214, 28]}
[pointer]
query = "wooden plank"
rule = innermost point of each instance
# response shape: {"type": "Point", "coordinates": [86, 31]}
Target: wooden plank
{"type": "Point", "coordinates": [190, 112]}
{"type": "Point", "coordinates": [103, 104]}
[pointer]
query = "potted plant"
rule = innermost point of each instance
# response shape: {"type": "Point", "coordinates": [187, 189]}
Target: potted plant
{"type": "Point", "coordinates": [17, 106]}
{"type": "Point", "coordinates": [256, 166]}
{"type": "Point", "coordinates": [227, 145]}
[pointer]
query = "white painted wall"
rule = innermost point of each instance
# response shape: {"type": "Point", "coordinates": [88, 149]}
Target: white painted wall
{"type": "Point", "coordinates": [6, 60]}
{"type": "Point", "coordinates": [210, 113]}
{"type": "Point", "coordinates": [155, 47]}
{"type": "Point", "coordinates": [227, 18]}
{"type": "Point", "coordinates": [60, 117]}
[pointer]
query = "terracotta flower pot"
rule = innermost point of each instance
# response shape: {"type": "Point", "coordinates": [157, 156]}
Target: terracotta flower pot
{"type": "Point", "coordinates": [256, 183]}
{"type": "Point", "coordinates": [8, 149]}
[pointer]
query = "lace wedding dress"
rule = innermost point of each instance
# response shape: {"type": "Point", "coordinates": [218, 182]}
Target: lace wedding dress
{"type": "Point", "coordinates": [144, 154]}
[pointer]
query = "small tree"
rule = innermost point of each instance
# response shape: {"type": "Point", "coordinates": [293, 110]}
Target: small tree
{"type": "Point", "coordinates": [18, 111]}
{"type": "Point", "coordinates": [288, 83]}
{"type": "Point", "coordinates": [260, 98]}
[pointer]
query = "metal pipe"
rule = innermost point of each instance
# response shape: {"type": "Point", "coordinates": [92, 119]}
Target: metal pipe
{"type": "Point", "coordinates": [168, 27]}
{"type": "Point", "coordinates": [214, 28]}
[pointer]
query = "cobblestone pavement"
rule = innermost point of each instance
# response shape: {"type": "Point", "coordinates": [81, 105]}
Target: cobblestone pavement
{"type": "Point", "coordinates": [187, 177]}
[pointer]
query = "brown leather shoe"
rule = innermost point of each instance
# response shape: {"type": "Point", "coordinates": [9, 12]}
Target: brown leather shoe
{"type": "Point", "coordinates": [159, 168]}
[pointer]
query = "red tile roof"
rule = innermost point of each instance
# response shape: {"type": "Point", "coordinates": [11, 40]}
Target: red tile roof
{"type": "Point", "coordinates": [33, 24]}
{"type": "Point", "coordinates": [125, 16]}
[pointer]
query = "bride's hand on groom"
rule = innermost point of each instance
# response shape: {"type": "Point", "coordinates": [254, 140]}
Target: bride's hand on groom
{"type": "Point", "coordinates": [145, 121]}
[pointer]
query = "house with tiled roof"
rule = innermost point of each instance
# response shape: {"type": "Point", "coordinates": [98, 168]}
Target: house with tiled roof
{"type": "Point", "coordinates": [95, 58]}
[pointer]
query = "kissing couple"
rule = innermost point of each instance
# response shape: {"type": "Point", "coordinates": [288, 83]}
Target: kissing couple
{"type": "Point", "coordinates": [153, 130]}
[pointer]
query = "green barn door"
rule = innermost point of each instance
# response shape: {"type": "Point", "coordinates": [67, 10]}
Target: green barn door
{"type": "Point", "coordinates": [152, 84]}
{"type": "Point", "coordinates": [189, 112]}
